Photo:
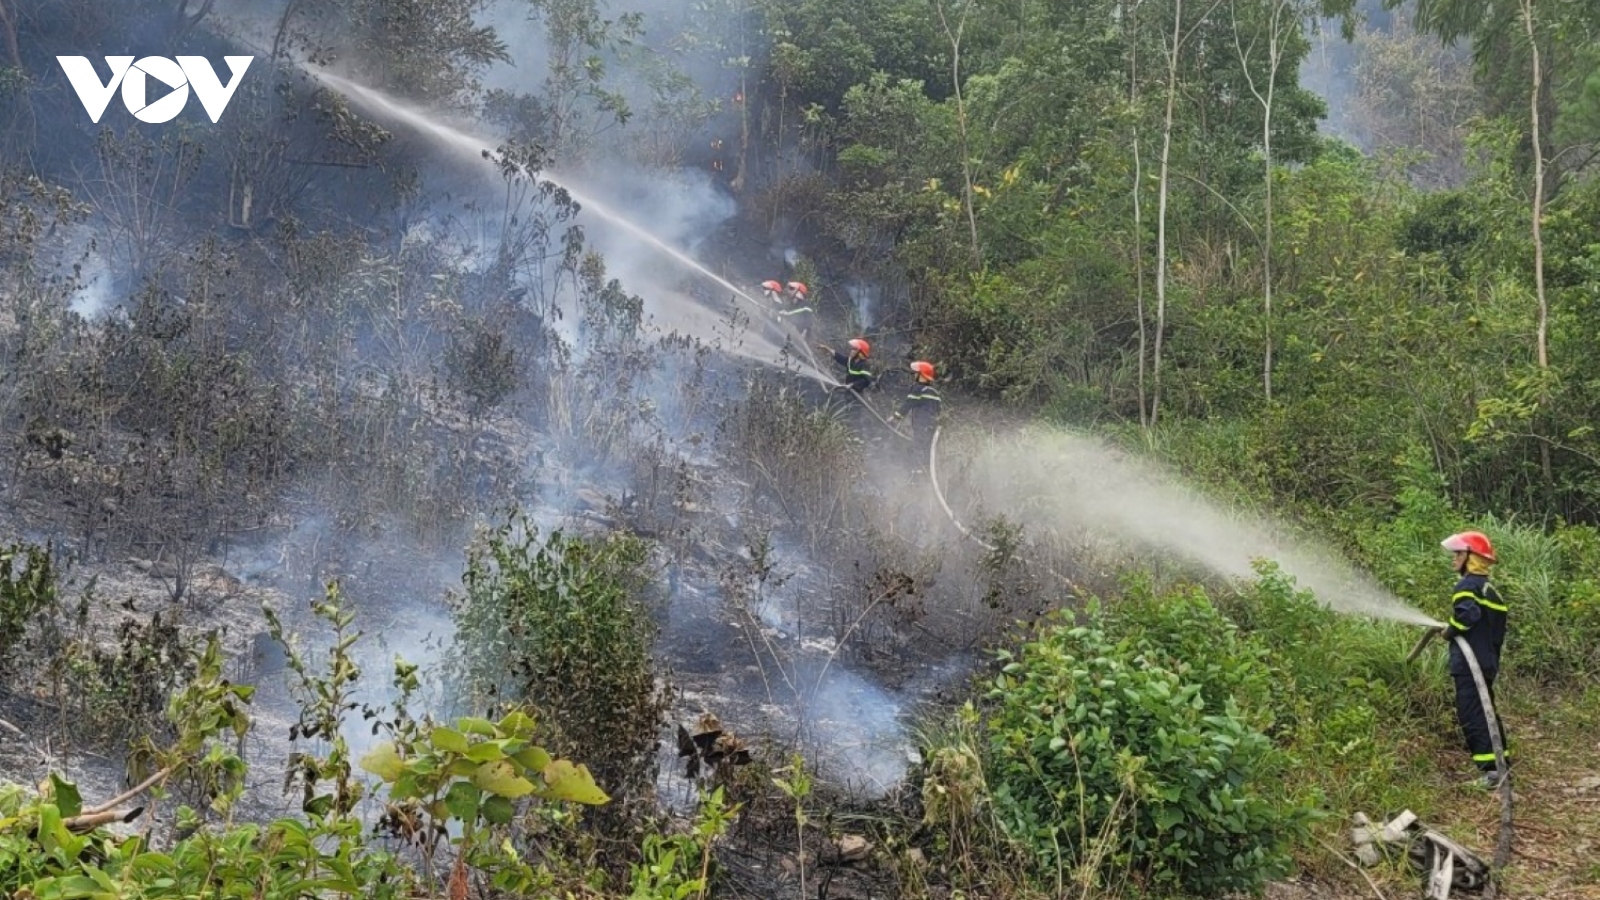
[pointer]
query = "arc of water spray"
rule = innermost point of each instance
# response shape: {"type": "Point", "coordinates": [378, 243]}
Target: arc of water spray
{"type": "Point", "coordinates": [468, 142]}
{"type": "Point", "coordinates": [938, 492]}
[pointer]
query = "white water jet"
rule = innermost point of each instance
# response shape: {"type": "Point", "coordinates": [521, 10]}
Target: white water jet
{"type": "Point", "coordinates": [1055, 482]}
{"type": "Point", "coordinates": [475, 148]}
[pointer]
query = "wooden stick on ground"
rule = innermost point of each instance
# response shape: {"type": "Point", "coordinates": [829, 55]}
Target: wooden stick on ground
{"type": "Point", "coordinates": [90, 821]}
{"type": "Point", "coordinates": [1378, 892]}
{"type": "Point", "coordinates": [128, 794]}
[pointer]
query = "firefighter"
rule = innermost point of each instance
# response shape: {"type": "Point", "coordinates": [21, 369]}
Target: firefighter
{"type": "Point", "coordinates": [1478, 613]}
{"type": "Point", "coordinates": [799, 312]}
{"type": "Point", "coordinates": [921, 407]}
{"type": "Point", "coordinates": [773, 292]}
{"type": "Point", "coordinates": [857, 376]}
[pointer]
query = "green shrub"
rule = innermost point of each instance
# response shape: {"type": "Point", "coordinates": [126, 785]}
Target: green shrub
{"type": "Point", "coordinates": [1182, 631]}
{"type": "Point", "coordinates": [559, 624]}
{"type": "Point", "coordinates": [1551, 580]}
{"type": "Point", "coordinates": [27, 588]}
{"type": "Point", "coordinates": [1101, 755]}
{"type": "Point", "coordinates": [1342, 695]}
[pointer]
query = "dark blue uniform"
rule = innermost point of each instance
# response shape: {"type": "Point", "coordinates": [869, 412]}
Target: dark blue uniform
{"type": "Point", "coordinates": [1478, 614]}
{"type": "Point", "coordinates": [857, 376]}
{"type": "Point", "coordinates": [802, 317]}
{"type": "Point", "coordinates": [921, 408]}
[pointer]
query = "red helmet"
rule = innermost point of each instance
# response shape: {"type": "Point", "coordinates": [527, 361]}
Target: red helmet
{"type": "Point", "coordinates": [1470, 541]}
{"type": "Point", "coordinates": [861, 346]}
{"type": "Point", "coordinates": [772, 286]}
{"type": "Point", "coordinates": [799, 287]}
{"type": "Point", "coordinates": [923, 369]}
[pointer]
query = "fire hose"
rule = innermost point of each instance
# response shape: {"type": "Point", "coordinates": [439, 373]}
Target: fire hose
{"type": "Point", "coordinates": [933, 475]}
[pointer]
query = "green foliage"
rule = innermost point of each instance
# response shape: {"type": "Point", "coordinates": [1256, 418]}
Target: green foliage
{"type": "Point", "coordinates": [1095, 742]}
{"type": "Point", "coordinates": [324, 699]}
{"type": "Point", "coordinates": [797, 787]}
{"type": "Point", "coordinates": [560, 625]}
{"type": "Point", "coordinates": [1341, 697]}
{"type": "Point", "coordinates": [1548, 575]}
{"type": "Point", "coordinates": [1183, 632]}
{"type": "Point", "coordinates": [461, 782]}
{"type": "Point", "coordinates": [678, 866]}
{"type": "Point", "coordinates": [467, 771]}
{"type": "Point", "coordinates": [27, 588]}
{"type": "Point", "coordinates": [471, 779]}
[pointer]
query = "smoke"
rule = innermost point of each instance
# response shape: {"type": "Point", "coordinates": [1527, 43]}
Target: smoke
{"type": "Point", "coordinates": [654, 265]}
{"type": "Point", "coordinates": [1065, 485]}
{"type": "Point", "coordinates": [866, 298]}
{"type": "Point", "coordinates": [855, 726]}
{"type": "Point", "coordinates": [1330, 69]}
{"type": "Point", "coordinates": [95, 290]}
{"type": "Point", "coordinates": [1329, 72]}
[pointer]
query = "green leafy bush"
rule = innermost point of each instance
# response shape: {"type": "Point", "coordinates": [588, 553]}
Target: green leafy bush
{"type": "Point", "coordinates": [451, 793]}
{"type": "Point", "coordinates": [1182, 631]}
{"type": "Point", "coordinates": [1342, 695]}
{"type": "Point", "coordinates": [560, 624]}
{"type": "Point", "coordinates": [27, 588]}
{"type": "Point", "coordinates": [1101, 753]}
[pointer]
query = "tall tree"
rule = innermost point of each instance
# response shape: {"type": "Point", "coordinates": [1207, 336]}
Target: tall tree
{"type": "Point", "coordinates": [1538, 215]}
{"type": "Point", "coordinates": [954, 36]}
{"type": "Point", "coordinates": [1174, 55]}
{"type": "Point", "coordinates": [1130, 16]}
{"type": "Point", "coordinates": [1534, 131]}
{"type": "Point", "coordinates": [1282, 23]}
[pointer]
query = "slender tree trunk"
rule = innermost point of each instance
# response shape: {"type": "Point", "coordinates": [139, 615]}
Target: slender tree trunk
{"type": "Point", "coordinates": [1161, 214]}
{"type": "Point", "coordinates": [1138, 209]}
{"type": "Point", "coordinates": [783, 106]}
{"type": "Point", "coordinates": [1538, 216]}
{"type": "Point", "coordinates": [8, 27]}
{"type": "Point", "coordinates": [1277, 25]}
{"type": "Point", "coordinates": [744, 107]}
{"type": "Point", "coordinates": [1538, 186]}
{"type": "Point", "coordinates": [1266, 253]}
{"type": "Point", "coordinates": [961, 121]}
{"type": "Point", "coordinates": [1138, 275]}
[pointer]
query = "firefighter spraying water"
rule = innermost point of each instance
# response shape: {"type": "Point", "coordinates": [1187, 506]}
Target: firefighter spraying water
{"type": "Point", "coordinates": [1477, 627]}
{"type": "Point", "coordinates": [857, 376]}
